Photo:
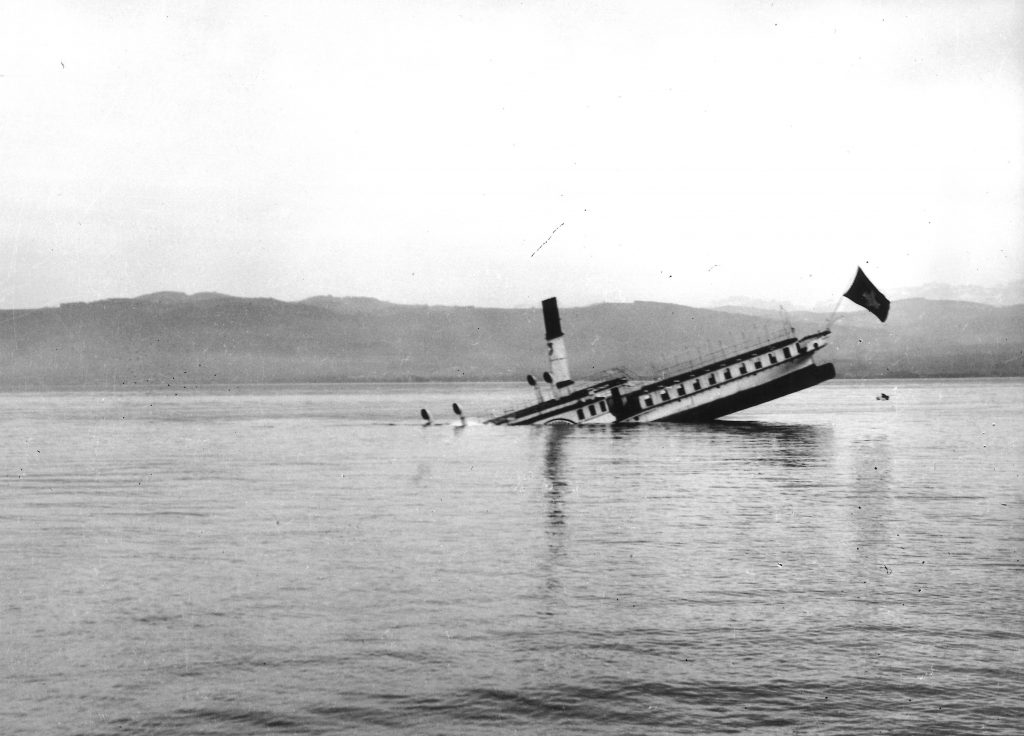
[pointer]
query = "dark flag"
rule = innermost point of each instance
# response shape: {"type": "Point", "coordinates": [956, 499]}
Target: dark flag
{"type": "Point", "coordinates": [864, 293]}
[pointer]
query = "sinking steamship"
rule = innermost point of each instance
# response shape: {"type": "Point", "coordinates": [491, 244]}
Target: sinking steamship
{"type": "Point", "coordinates": [725, 384]}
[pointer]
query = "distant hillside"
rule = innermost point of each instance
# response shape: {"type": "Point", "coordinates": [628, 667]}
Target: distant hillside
{"type": "Point", "coordinates": [1007, 294]}
{"type": "Point", "coordinates": [1002, 295]}
{"type": "Point", "coordinates": [931, 338]}
{"type": "Point", "coordinates": [173, 339]}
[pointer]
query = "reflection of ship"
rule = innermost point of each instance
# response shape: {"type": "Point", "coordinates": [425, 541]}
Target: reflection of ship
{"type": "Point", "coordinates": [729, 382]}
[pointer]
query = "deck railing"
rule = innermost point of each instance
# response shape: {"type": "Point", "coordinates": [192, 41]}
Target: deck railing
{"type": "Point", "coordinates": [707, 355]}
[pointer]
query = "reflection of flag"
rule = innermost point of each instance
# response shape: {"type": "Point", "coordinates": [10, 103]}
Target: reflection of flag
{"type": "Point", "coordinates": [864, 293]}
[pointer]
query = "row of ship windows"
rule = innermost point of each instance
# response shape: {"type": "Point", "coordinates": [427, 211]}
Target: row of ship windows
{"type": "Point", "coordinates": [713, 379]}
{"type": "Point", "coordinates": [593, 409]}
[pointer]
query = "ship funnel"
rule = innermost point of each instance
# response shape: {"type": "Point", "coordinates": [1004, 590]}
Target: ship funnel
{"type": "Point", "coordinates": [557, 356]}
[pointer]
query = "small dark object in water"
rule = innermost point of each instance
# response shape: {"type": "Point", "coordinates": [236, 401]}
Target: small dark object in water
{"type": "Point", "coordinates": [882, 397]}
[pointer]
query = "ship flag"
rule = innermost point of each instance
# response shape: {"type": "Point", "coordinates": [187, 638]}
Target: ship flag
{"type": "Point", "coordinates": [867, 295]}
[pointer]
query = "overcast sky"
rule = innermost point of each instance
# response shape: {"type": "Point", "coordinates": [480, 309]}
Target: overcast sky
{"type": "Point", "coordinates": [496, 153]}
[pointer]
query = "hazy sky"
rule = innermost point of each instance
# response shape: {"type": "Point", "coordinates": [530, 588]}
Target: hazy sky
{"type": "Point", "coordinates": [422, 152]}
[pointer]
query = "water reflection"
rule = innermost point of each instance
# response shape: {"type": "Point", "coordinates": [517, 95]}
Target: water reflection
{"type": "Point", "coordinates": [784, 445]}
{"type": "Point", "coordinates": [672, 461]}
{"type": "Point", "coordinates": [871, 488]}
{"type": "Point", "coordinates": [556, 531]}
{"type": "Point", "coordinates": [787, 431]}
{"type": "Point", "coordinates": [754, 444]}
{"type": "Point", "coordinates": [872, 466]}
{"type": "Point", "coordinates": [554, 472]}
{"type": "Point", "coordinates": [784, 431]}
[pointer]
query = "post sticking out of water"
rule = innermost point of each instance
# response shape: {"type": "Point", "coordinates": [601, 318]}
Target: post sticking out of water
{"type": "Point", "coordinates": [558, 359]}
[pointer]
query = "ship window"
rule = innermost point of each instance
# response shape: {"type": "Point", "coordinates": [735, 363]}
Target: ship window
{"type": "Point", "coordinates": [696, 385]}
{"type": "Point", "coordinates": [772, 358]}
{"type": "Point", "coordinates": [604, 406]}
{"type": "Point", "coordinates": [579, 414]}
{"type": "Point", "coordinates": [785, 351]}
{"type": "Point", "coordinates": [727, 374]}
{"type": "Point", "coordinates": [593, 410]}
{"type": "Point", "coordinates": [664, 395]}
{"type": "Point", "coordinates": [757, 364]}
{"type": "Point", "coordinates": [743, 367]}
{"type": "Point", "coordinates": [648, 401]}
{"type": "Point", "coordinates": [712, 380]}
{"type": "Point", "coordinates": [682, 389]}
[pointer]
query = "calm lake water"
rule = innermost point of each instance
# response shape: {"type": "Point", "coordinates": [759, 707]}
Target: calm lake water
{"type": "Point", "coordinates": [310, 560]}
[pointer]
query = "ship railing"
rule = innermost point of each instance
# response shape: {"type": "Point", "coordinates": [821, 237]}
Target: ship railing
{"type": "Point", "coordinates": [702, 356]}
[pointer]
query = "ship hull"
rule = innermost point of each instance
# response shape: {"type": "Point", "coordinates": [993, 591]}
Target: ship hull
{"type": "Point", "coordinates": [773, 389]}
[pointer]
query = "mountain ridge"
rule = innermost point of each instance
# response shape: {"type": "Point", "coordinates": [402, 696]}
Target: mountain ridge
{"type": "Point", "coordinates": [172, 338]}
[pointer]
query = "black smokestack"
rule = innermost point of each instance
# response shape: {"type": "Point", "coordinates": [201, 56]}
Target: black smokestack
{"type": "Point", "coordinates": [552, 323]}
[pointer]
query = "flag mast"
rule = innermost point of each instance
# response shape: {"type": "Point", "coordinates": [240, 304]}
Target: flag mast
{"type": "Point", "coordinates": [832, 317]}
